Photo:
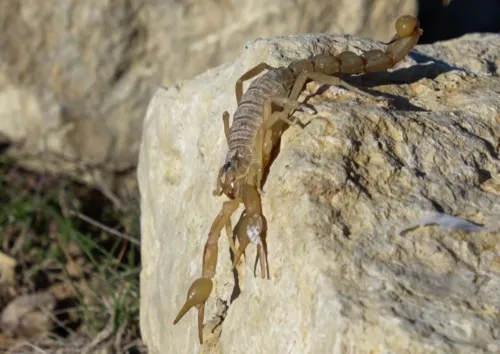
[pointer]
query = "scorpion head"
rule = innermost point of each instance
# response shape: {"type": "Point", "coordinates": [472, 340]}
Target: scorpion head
{"type": "Point", "coordinates": [234, 169]}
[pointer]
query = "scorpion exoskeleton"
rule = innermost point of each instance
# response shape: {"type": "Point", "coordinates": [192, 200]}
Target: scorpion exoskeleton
{"type": "Point", "coordinates": [255, 131]}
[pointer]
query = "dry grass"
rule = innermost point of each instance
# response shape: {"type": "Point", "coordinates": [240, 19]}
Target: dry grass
{"type": "Point", "coordinates": [70, 267]}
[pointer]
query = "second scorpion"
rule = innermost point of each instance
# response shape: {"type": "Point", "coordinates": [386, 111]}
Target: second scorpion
{"type": "Point", "coordinates": [256, 129]}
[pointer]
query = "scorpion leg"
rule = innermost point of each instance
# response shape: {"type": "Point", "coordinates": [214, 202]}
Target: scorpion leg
{"type": "Point", "coordinates": [327, 80]}
{"type": "Point", "coordinates": [242, 236]}
{"type": "Point", "coordinates": [218, 188]}
{"type": "Point", "coordinates": [201, 288]}
{"type": "Point", "coordinates": [256, 70]}
{"type": "Point", "coordinates": [225, 120]}
{"type": "Point", "coordinates": [217, 192]}
{"type": "Point", "coordinates": [262, 254]}
{"type": "Point", "coordinates": [288, 104]}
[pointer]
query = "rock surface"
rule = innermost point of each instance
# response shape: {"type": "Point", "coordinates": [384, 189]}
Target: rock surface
{"type": "Point", "coordinates": [74, 90]}
{"type": "Point", "coordinates": [342, 278]}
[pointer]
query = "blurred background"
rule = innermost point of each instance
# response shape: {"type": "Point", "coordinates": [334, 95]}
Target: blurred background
{"type": "Point", "coordinates": [75, 80]}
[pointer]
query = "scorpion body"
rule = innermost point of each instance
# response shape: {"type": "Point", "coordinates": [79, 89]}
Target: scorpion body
{"type": "Point", "coordinates": [257, 126]}
{"type": "Point", "coordinates": [248, 116]}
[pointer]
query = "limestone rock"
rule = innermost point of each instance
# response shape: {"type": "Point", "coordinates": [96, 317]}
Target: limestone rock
{"type": "Point", "coordinates": [342, 278]}
{"type": "Point", "coordinates": [76, 75]}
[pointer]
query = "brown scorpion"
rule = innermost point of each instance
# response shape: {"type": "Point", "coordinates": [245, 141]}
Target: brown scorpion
{"type": "Point", "coordinates": [255, 131]}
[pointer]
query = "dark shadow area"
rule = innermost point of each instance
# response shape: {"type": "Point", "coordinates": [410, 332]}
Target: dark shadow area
{"type": "Point", "coordinates": [442, 20]}
{"type": "Point", "coordinates": [439, 65]}
{"type": "Point", "coordinates": [427, 68]}
{"type": "Point", "coordinates": [3, 147]}
{"type": "Point", "coordinates": [396, 102]}
{"type": "Point", "coordinates": [66, 323]}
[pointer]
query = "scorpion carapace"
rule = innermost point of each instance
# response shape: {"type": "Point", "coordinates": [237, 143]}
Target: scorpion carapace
{"type": "Point", "coordinates": [256, 130]}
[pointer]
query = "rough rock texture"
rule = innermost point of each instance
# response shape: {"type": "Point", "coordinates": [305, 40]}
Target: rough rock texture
{"type": "Point", "coordinates": [342, 279]}
{"type": "Point", "coordinates": [76, 75]}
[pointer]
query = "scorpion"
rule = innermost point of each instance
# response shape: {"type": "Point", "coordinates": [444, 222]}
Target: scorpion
{"type": "Point", "coordinates": [256, 130]}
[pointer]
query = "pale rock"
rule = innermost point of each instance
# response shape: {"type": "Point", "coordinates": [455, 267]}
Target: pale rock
{"type": "Point", "coordinates": [76, 75]}
{"type": "Point", "coordinates": [342, 279]}
{"type": "Point", "coordinates": [28, 315]}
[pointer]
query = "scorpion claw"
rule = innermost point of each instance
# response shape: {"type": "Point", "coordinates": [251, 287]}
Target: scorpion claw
{"type": "Point", "coordinates": [248, 230]}
{"type": "Point", "coordinates": [198, 293]}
